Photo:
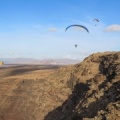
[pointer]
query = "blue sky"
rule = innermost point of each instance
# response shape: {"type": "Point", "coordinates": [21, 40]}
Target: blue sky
{"type": "Point", "coordinates": [36, 28]}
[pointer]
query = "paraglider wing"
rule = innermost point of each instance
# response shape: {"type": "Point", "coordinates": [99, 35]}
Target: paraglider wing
{"type": "Point", "coordinates": [96, 20]}
{"type": "Point", "coordinates": [78, 26]}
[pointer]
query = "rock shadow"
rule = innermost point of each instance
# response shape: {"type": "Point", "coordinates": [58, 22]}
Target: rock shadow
{"type": "Point", "coordinates": [78, 93]}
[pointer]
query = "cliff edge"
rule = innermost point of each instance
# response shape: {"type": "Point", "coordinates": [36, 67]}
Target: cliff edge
{"type": "Point", "coordinates": [95, 86]}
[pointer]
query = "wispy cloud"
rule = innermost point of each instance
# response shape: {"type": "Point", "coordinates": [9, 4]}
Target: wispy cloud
{"type": "Point", "coordinates": [112, 28]}
{"type": "Point", "coordinates": [5, 54]}
{"type": "Point", "coordinates": [67, 57]}
{"type": "Point", "coordinates": [53, 29]}
{"type": "Point", "coordinates": [11, 53]}
{"type": "Point", "coordinates": [1, 54]}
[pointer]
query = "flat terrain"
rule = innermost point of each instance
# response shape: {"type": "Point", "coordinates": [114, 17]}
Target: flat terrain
{"type": "Point", "coordinates": [26, 71]}
{"type": "Point", "coordinates": [21, 91]}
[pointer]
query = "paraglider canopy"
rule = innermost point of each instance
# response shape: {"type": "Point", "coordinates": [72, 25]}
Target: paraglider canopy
{"type": "Point", "coordinates": [96, 20]}
{"type": "Point", "coordinates": [77, 26]}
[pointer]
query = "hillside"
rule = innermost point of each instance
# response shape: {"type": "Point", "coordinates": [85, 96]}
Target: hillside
{"type": "Point", "coordinates": [85, 91]}
{"type": "Point", "coordinates": [95, 86]}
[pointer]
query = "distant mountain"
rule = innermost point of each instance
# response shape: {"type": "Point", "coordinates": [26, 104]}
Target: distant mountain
{"type": "Point", "coordinates": [37, 61]}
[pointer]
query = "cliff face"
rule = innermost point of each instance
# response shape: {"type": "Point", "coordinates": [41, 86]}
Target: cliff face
{"type": "Point", "coordinates": [95, 86]}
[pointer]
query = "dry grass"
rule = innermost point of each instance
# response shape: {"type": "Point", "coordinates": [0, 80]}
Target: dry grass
{"type": "Point", "coordinates": [24, 92]}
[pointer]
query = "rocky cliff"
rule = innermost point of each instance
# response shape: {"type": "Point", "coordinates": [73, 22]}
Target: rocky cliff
{"type": "Point", "coordinates": [95, 86]}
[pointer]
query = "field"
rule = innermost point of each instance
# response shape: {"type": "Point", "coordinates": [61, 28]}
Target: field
{"type": "Point", "coordinates": [26, 71]}
{"type": "Point", "coordinates": [21, 91]}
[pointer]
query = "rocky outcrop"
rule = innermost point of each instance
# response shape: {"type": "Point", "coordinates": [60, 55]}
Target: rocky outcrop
{"type": "Point", "coordinates": [1, 63]}
{"type": "Point", "coordinates": [95, 86]}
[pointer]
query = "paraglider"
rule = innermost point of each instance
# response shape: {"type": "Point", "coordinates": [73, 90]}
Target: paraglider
{"type": "Point", "coordinates": [96, 20]}
{"type": "Point", "coordinates": [77, 26]}
{"type": "Point", "coordinates": [76, 45]}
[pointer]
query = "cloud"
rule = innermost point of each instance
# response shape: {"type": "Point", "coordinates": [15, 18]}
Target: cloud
{"type": "Point", "coordinates": [1, 54]}
{"type": "Point", "coordinates": [67, 56]}
{"type": "Point", "coordinates": [113, 28]}
{"type": "Point", "coordinates": [84, 53]}
{"type": "Point", "coordinates": [52, 29]}
{"type": "Point", "coordinates": [11, 53]}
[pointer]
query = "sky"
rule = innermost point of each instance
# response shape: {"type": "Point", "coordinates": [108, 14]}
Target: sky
{"type": "Point", "coordinates": [36, 28]}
